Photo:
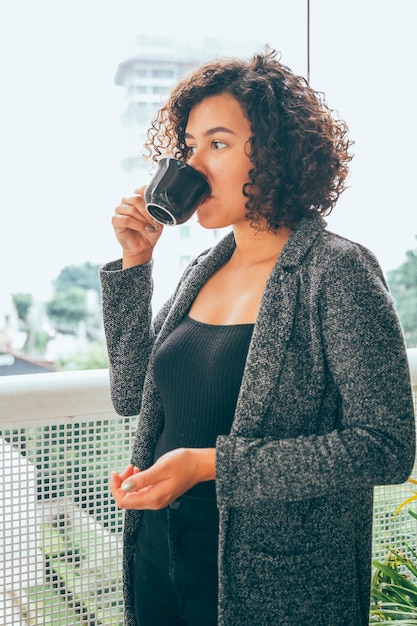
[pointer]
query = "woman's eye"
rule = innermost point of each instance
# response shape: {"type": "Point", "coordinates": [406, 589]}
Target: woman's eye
{"type": "Point", "coordinates": [218, 145]}
{"type": "Point", "coordinates": [190, 150]}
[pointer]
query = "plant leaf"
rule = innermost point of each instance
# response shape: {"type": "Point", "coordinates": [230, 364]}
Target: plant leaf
{"type": "Point", "coordinates": [403, 504]}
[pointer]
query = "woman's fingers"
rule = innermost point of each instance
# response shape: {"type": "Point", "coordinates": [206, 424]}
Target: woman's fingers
{"type": "Point", "coordinates": [171, 476]}
{"type": "Point", "coordinates": [135, 230]}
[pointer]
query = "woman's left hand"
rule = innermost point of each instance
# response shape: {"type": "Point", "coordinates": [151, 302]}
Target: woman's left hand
{"type": "Point", "coordinates": [168, 478]}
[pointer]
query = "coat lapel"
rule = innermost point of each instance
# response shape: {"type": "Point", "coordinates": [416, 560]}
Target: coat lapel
{"type": "Point", "coordinates": [267, 352]}
{"type": "Point", "coordinates": [273, 329]}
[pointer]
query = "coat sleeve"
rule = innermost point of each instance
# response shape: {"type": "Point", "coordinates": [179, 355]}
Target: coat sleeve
{"type": "Point", "coordinates": [129, 330]}
{"type": "Point", "coordinates": [374, 442]}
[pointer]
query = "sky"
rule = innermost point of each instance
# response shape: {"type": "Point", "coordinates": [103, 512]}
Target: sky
{"type": "Point", "coordinates": [61, 137]}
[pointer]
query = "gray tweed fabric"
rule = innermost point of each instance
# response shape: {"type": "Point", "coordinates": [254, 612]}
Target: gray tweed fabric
{"type": "Point", "coordinates": [324, 414]}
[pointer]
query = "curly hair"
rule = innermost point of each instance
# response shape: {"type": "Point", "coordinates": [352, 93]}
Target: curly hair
{"type": "Point", "coordinates": [298, 148]}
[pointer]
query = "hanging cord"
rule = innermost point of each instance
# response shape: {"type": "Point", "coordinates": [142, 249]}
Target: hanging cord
{"type": "Point", "coordinates": [308, 41]}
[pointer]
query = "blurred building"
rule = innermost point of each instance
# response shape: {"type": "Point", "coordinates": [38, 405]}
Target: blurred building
{"type": "Point", "coordinates": [146, 78]}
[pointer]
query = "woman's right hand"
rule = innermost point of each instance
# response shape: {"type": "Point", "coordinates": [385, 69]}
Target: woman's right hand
{"type": "Point", "coordinates": [135, 230]}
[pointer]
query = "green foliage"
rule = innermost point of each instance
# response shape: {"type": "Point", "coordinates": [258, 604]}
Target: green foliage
{"type": "Point", "coordinates": [84, 276]}
{"type": "Point", "coordinates": [71, 304]}
{"type": "Point", "coordinates": [92, 358]}
{"type": "Point", "coordinates": [23, 303]}
{"type": "Point", "coordinates": [394, 587]}
{"type": "Point", "coordinates": [69, 307]}
{"type": "Point", "coordinates": [394, 594]}
{"type": "Point", "coordinates": [40, 341]}
{"type": "Point", "coordinates": [403, 286]}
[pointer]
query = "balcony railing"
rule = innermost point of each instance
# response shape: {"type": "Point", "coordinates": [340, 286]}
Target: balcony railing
{"type": "Point", "coordinates": [60, 533]}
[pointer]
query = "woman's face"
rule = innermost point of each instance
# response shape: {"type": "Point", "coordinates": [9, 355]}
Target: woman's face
{"type": "Point", "coordinates": [217, 135]}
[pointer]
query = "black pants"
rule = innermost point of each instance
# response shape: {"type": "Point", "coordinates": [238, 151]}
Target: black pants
{"type": "Point", "coordinates": [176, 579]}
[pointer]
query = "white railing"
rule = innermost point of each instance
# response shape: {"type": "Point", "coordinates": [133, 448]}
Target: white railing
{"type": "Point", "coordinates": [60, 533]}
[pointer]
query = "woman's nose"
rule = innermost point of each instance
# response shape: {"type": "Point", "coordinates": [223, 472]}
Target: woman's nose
{"type": "Point", "coordinates": [196, 160]}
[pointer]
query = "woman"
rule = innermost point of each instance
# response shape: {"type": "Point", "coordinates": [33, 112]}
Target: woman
{"type": "Point", "coordinates": [273, 386]}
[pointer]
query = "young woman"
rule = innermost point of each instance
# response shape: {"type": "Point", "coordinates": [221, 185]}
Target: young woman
{"type": "Point", "coordinates": [272, 388]}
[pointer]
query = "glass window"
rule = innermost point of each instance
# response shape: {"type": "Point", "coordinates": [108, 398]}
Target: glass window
{"type": "Point", "coordinates": [185, 232]}
{"type": "Point", "coordinates": [137, 89]}
{"type": "Point", "coordinates": [139, 72]}
{"type": "Point", "coordinates": [163, 74]}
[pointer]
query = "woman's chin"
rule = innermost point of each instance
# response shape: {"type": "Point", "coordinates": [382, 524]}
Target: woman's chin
{"type": "Point", "coordinates": [209, 219]}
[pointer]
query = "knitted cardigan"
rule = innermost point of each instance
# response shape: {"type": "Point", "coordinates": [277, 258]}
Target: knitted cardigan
{"type": "Point", "coordinates": [324, 414]}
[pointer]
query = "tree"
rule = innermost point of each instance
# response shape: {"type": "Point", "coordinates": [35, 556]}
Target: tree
{"type": "Point", "coordinates": [402, 282]}
{"type": "Point", "coordinates": [75, 310]}
{"type": "Point", "coordinates": [68, 307]}
{"type": "Point", "coordinates": [23, 303]}
{"type": "Point", "coordinates": [84, 276]}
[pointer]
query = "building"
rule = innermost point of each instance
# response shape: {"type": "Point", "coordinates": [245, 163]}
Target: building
{"type": "Point", "coordinates": [146, 78]}
{"type": "Point", "coordinates": [13, 364]}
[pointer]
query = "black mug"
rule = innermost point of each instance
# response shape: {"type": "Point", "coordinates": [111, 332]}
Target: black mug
{"type": "Point", "coordinates": [175, 191]}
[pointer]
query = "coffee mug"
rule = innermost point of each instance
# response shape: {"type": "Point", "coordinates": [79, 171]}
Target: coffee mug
{"type": "Point", "coordinates": [175, 191]}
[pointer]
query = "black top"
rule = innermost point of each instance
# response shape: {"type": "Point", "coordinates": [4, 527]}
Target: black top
{"type": "Point", "coordinates": [198, 370]}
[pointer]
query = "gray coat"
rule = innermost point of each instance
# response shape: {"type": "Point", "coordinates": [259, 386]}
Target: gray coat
{"type": "Point", "coordinates": [324, 414]}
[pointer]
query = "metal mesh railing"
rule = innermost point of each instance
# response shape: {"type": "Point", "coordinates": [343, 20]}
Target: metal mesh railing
{"type": "Point", "coordinates": [60, 532]}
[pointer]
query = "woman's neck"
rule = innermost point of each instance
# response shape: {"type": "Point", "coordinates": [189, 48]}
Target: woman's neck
{"type": "Point", "coordinates": [255, 247]}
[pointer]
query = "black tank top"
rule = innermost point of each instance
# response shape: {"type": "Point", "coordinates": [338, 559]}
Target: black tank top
{"type": "Point", "coordinates": [198, 370]}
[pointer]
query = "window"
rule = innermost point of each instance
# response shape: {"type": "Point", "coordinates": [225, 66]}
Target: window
{"type": "Point", "coordinates": [137, 89]}
{"type": "Point", "coordinates": [185, 232]}
{"type": "Point", "coordinates": [163, 74]}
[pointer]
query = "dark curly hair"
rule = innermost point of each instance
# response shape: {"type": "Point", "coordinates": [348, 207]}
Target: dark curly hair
{"type": "Point", "coordinates": [299, 149]}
